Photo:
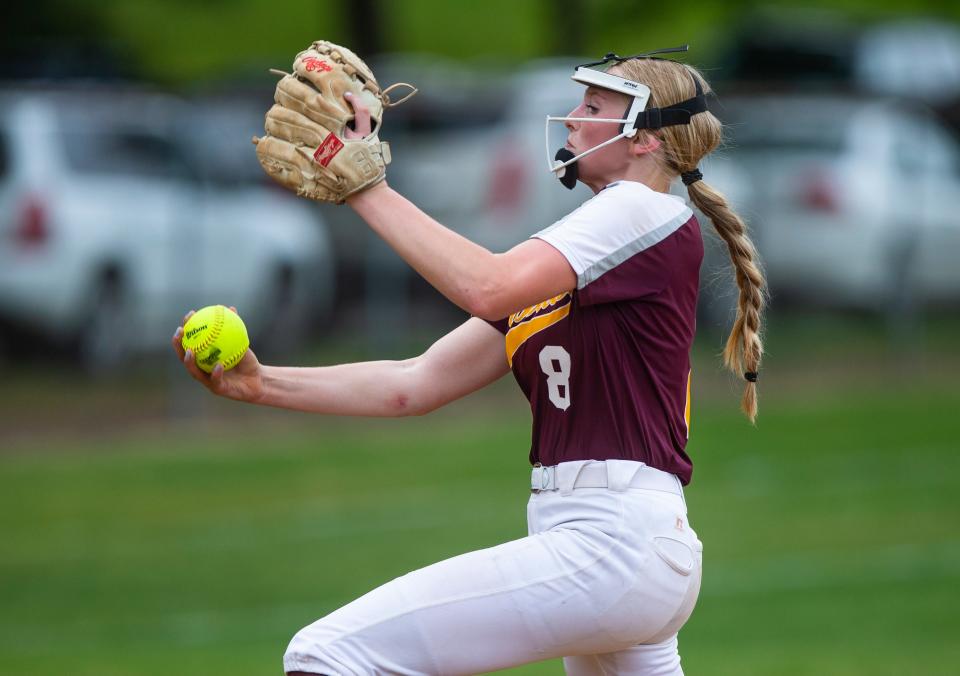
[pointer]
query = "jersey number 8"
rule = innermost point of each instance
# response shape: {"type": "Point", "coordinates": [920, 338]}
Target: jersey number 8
{"type": "Point", "coordinates": [555, 362]}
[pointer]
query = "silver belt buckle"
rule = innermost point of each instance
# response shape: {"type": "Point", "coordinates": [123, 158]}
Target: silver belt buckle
{"type": "Point", "coordinates": [543, 478]}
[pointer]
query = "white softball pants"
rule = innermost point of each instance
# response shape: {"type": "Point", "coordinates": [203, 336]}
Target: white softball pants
{"type": "Point", "coordinates": [605, 580]}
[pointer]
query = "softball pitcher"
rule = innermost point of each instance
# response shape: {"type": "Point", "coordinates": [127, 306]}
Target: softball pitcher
{"type": "Point", "coordinates": [595, 317]}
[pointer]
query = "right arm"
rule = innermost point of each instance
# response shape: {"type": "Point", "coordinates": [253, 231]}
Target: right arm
{"type": "Point", "coordinates": [463, 361]}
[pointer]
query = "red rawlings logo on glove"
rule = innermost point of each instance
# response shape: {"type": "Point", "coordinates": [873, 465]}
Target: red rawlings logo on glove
{"type": "Point", "coordinates": [312, 63]}
{"type": "Point", "coordinates": [328, 150]}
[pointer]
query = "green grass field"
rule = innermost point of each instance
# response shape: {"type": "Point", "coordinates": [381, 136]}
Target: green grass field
{"type": "Point", "coordinates": [831, 530]}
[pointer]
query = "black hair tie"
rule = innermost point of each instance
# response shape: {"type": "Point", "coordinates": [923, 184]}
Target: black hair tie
{"type": "Point", "coordinates": [751, 376]}
{"type": "Point", "coordinates": [690, 177]}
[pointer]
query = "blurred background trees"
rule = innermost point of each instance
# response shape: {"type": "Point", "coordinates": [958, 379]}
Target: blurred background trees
{"type": "Point", "coordinates": [176, 42]}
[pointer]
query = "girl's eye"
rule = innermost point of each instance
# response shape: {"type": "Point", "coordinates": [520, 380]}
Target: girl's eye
{"type": "Point", "coordinates": [591, 109]}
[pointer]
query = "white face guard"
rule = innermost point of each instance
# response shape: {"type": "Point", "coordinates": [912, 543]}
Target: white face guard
{"type": "Point", "coordinates": [596, 78]}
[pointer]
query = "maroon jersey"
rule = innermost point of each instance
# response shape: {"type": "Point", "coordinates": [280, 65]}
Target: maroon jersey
{"type": "Point", "coordinates": [606, 368]}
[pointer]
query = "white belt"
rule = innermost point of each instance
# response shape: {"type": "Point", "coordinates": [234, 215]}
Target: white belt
{"type": "Point", "coordinates": [595, 474]}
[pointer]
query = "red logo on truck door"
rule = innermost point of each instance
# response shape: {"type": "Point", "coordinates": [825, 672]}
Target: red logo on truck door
{"type": "Point", "coordinates": [328, 150]}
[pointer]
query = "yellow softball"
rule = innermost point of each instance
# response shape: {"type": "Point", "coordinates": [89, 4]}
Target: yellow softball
{"type": "Point", "coordinates": [215, 334]}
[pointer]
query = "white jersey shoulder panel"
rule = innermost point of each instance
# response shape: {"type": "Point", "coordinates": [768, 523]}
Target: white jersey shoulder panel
{"type": "Point", "coordinates": [620, 221]}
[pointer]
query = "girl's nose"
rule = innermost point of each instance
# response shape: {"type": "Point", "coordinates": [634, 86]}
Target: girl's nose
{"type": "Point", "coordinates": [571, 126]}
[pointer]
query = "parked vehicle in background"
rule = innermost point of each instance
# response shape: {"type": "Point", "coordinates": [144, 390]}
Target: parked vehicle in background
{"type": "Point", "coordinates": [853, 202]}
{"type": "Point", "coordinates": [775, 47]}
{"type": "Point", "coordinates": [109, 229]}
{"type": "Point", "coordinates": [914, 58]}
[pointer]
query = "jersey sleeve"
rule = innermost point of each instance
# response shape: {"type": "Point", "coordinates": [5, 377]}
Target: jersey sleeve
{"type": "Point", "coordinates": [617, 243]}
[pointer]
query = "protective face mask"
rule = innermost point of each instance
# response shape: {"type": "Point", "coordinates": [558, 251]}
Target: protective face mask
{"type": "Point", "coordinates": [563, 163]}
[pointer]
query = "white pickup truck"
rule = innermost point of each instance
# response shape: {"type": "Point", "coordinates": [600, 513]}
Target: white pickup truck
{"type": "Point", "coordinates": [109, 231]}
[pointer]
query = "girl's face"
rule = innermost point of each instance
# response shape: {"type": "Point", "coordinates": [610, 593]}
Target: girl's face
{"type": "Point", "coordinates": [607, 164]}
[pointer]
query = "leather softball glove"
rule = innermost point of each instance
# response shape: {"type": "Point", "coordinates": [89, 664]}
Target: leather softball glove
{"type": "Point", "coordinates": [305, 148]}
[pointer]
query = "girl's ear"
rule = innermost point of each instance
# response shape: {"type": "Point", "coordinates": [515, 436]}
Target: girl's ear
{"type": "Point", "coordinates": [644, 143]}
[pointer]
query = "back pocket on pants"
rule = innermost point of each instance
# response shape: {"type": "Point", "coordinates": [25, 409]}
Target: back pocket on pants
{"type": "Point", "coordinates": [675, 553]}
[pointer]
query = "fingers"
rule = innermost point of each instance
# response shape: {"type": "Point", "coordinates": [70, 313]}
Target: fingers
{"type": "Point", "coordinates": [187, 356]}
{"type": "Point", "coordinates": [361, 121]}
{"type": "Point", "coordinates": [177, 339]}
{"type": "Point", "coordinates": [190, 362]}
{"type": "Point", "coordinates": [215, 381]}
{"type": "Point", "coordinates": [178, 342]}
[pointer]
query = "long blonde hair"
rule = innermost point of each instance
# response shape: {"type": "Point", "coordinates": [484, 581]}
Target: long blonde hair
{"type": "Point", "coordinates": [682, 148]}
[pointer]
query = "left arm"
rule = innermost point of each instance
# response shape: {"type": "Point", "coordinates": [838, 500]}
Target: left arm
{"type": "Point", "coordinates": [483, 283]}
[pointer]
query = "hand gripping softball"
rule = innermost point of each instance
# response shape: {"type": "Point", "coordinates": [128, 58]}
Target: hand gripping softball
{"type": "Point", "coordinates": [305, 148]}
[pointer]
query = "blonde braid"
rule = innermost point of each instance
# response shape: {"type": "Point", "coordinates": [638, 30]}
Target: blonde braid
{"type": "Point", "coordinates": [744, 347]}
